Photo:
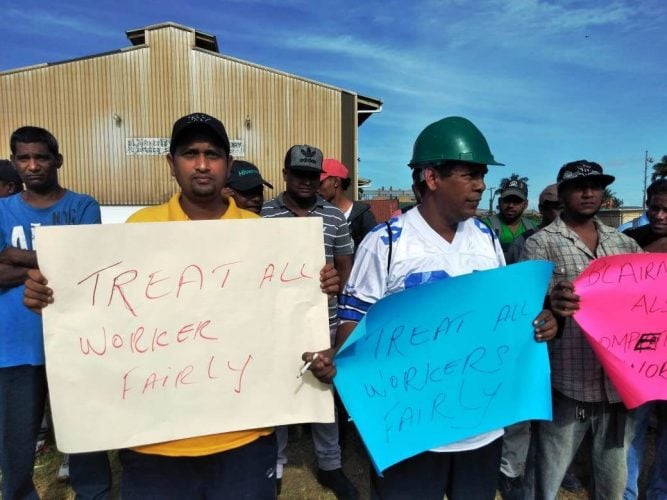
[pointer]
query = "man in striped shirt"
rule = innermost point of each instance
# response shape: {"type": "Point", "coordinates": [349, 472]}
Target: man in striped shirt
{"type": "Point", "coordinates": [302, 169]}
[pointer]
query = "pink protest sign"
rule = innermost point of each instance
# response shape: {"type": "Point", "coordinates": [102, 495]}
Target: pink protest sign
{"type": "Point", "coordinates": [624, 315]}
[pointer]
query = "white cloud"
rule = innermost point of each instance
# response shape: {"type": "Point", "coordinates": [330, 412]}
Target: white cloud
{"type": "Point", "coordinates": [523, 70]}
{"type": "Point", "coordinates": [55, 24]}
{"type": "Point", "coordinates": [587, 34]}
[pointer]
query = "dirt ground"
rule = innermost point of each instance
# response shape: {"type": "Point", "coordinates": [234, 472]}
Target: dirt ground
{"type": "Point", "coordinates": [299, 478]}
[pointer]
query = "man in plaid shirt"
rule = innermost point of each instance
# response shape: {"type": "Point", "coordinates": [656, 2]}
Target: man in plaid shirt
{"type": "Point", "coordinates": [584, 398]}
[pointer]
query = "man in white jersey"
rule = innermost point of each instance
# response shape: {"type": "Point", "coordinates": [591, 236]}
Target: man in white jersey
{"type": "Point", "coordinates": [441, 238]}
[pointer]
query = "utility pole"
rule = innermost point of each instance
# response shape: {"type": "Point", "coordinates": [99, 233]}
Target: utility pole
{"type": "Point", "coordinates": [492, 194]}
{"type": "Point", "coordinates": [647, 160]}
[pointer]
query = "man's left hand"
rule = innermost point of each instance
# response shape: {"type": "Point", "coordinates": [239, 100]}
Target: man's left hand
{"type": "Point", "coordinates": [322, 366]}
{"type": "Point", "coordinates": [545, 325]}
{"type": "Point", "coordinates": [329, 280]}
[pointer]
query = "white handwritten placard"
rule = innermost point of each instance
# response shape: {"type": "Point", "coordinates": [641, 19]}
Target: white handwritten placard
{"type": "Point", "coordinates": [169, 330]}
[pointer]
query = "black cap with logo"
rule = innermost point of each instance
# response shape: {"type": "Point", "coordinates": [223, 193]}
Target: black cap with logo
{"type": "Point", "coordinates": [582, 170]}
{"type": "Point", "coordinates": [305, 158]}
{"type": "Point", "coordinates": [202, 121]}
{"type": "Point", "coordinates": [244, 176]}
{"type": "Point", "coordinates": [515, 187]}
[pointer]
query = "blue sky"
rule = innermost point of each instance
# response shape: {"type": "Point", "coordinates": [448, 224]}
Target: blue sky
{"type": "Point", "coordinates": [546, 81]}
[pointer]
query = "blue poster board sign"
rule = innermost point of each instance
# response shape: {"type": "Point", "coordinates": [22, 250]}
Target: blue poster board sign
{"type": "Point", "coordinates": [447, 361]}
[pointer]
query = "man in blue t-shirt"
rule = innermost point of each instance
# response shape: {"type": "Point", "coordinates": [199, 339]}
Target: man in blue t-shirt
{"type": "Point", "coordinates": [44, 202]}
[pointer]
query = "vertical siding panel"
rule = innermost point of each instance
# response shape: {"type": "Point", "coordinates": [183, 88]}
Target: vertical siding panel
{"type": "Point", "coordinates": [149, 87]}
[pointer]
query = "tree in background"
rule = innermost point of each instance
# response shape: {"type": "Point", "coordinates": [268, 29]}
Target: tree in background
{"type": "Point", "coordinates": [610, 200]}
{"type": "Point", "coordinates": [659, 169]}
{"type": "Point", "coordinates": [513, 177]}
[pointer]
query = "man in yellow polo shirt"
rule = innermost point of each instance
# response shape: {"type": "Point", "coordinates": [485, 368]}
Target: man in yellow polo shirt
{"type": "Point", "coordinates": [232, 465]}
{"type": "Point", "coordinates": [197, 467]}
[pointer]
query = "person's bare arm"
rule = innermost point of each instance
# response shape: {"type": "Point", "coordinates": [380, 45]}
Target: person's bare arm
{"type": "Point", "coordinates": [18, 257]}
{"type": "Point", "coordinates": [343, 264]}
{"type": "Point", "coordinates": [14, 266]}
{"type": "Point", "coordinates": [12, 276]}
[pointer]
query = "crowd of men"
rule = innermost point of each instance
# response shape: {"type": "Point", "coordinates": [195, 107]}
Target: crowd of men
{"type": "Point", "coordinates": [440, 238]}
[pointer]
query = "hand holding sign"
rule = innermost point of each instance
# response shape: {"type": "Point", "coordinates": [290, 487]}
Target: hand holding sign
{"type": "Point", "coordinates": [564, 301]}
{"type": "Point", "coordinates": [171, 330]}
{"type": "Point", "coordinates": [624, 315]}
{"type": "Point", "coordinates": [445, 361]}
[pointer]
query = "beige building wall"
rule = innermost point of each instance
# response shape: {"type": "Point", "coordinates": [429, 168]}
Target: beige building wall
{"type": "Point", "coordinates": [92, 105]}
{"type": "Point", "coordinates": [614, 217]}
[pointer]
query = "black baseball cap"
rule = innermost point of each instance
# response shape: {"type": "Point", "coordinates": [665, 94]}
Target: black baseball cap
{"type": "Point", "coordinates": [305, 158]}
{"type": "Point", "coordinates": [515, 187]}
{"type": "Point", "coordinates": [202, 121]}
{"type": "Point", "coordinates": [8, 173]}
{"type": "Point", "coordinates": [582, 170]}
{"type": "Point", "coordinates": [244, 176]}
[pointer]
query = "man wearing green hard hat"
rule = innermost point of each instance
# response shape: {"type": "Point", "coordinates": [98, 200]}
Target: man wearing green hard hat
{"type": "Point", "coordinates": [439, 239]}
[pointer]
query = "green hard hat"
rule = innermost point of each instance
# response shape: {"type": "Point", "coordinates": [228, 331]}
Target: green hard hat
{"type": "Point", "coordinates": [451, 139]}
